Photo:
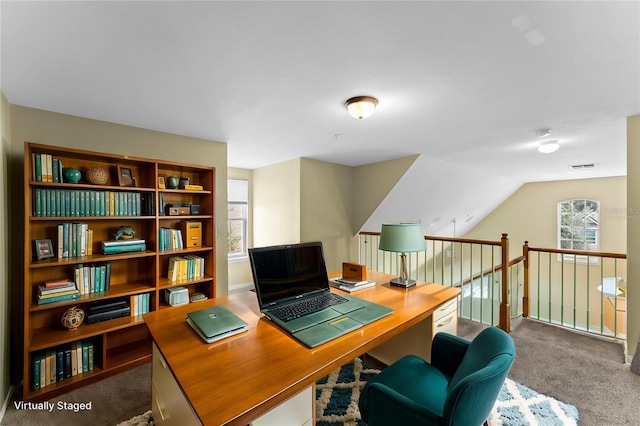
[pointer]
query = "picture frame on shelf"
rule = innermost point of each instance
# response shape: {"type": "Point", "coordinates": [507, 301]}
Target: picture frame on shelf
{"type": "Point", "coordinates": [43, 249]}
{"type": "Point", "coordinates": [125, 176]}
{"type": "Point", "coordinates": [161, 184]}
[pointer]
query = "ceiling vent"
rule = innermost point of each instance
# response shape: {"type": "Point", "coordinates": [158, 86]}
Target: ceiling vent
{"type": "Point", "coordinates": [583, 166]}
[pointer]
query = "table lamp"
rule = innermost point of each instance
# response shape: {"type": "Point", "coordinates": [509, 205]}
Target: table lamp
{"type": "Point", "coordinates": [402, 238]}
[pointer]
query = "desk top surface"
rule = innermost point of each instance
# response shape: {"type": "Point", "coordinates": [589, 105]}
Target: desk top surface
{"type": "Point", "coordinates": [238, 379]}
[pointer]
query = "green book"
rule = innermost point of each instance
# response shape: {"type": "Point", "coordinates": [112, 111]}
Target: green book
{"type": "Point", "coordinates": [36, 371]}
{"type": "Point", "coordinates": [59, 364]}
{"type": "Point", "coordinates": [124, 248]}
{"type": "Point", "coordinates": [61, 298]}
{"type": "Point", "coordinates": [37, 165]}
{"type": "Point", "coordinates": [90, 356]}
{"type": "Point", "coordinates": [85, 356]}
{"type": "Point", "coordinates": [38, 202]}
{"type": "Point", "coordinates": [92, 204]}
{"type": "Point", "coordinates": [56, 170]}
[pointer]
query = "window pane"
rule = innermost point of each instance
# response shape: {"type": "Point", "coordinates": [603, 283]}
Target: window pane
{"type": "Point", "coordinates": [236, 236]}
{"type": "Point", "coordinates": [237, 230]}
{"type": "Point", "coordinates": [578, 224]}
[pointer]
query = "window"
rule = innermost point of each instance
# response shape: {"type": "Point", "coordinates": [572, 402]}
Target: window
{"type": "Point", "coordinates": [238, 217]}
{"type": "Point", "coordinates": [578, 226]}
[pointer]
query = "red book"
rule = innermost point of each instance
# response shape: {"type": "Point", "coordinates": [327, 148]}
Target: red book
{"type": "Point", "coordinates": [57, 283]}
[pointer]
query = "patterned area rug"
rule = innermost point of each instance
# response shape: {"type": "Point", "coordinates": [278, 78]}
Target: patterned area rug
{"type": "Point", "coordinates": [337, 401]}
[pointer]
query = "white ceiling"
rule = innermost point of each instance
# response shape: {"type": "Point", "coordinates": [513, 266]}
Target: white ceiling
{"type": "Point", "coordinates": [462, 83]}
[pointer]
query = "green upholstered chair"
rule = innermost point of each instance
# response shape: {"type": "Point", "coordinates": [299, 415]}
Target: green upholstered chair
{"type": "Point", "coordinates": [458, 388]}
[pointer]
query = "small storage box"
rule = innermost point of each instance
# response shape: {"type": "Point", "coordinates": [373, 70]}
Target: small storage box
{"type": "Point", "coordinates": [176, 296]}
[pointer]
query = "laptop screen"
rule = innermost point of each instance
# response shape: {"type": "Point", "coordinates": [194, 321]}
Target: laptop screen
{"type": "Point", "coordinates": [286, 272]}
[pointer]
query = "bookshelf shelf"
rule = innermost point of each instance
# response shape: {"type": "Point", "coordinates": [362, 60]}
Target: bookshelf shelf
{"type": "Point", "coordinates": [139, 278]}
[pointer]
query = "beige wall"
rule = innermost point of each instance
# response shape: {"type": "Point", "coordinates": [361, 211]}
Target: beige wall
{"type": "Point", "coordinates": [50, 128]}
{"type": "Point", "coordinates": [531, 214]}
{"type": "Point", "coordinates": [240, 270]}
{"type": "Point", "coordinates": [5, 129]}
{"type": "Point", "coordinates": [276, 204]}
{"type": "Point", "coordinates": [633, 232]}
{"type": "Point", "coordinates": [326, 209]}
{"type": "Point", "coordinates": [308, 200]}
{"type": "Point", "coordinates": [372, 183]}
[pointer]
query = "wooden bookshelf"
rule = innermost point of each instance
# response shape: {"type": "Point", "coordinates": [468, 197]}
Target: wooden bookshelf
{"type": "Point", "coordinates": [120, 343]}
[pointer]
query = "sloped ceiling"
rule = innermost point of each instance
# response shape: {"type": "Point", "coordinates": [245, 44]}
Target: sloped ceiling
{"type": "Point", "coordinates": [447, 199]}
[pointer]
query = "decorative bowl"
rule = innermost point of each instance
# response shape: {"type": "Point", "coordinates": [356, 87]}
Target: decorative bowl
{"type": "Point", "coordinates": [173, 181]}
{"type": "Point", "coordinates": [97, 175]}
{"type": "Point", "coordinates": [72, 318]}
{"type": "Point", "coordinates": [71, 175]}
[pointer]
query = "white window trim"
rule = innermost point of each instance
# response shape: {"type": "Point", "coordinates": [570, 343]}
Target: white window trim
{"type": "Point", "coordinates": [572, 257]}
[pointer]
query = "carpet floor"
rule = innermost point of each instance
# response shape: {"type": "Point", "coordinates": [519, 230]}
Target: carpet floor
{"type": "Point", "coordinates": [581, 370]}
{"type": "Point", "coordinates": [337, 401]}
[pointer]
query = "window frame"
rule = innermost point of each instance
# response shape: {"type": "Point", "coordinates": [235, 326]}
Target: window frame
{"type": "Point", "coordinates": [238, 195]}
{"type": "Point", "coordinates": [574, 230]}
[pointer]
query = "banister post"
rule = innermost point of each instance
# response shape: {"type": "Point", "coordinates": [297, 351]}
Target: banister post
{"type": "Point", "coordinates": [525, 296]}
{"type": "Point", "coordinates": [505, 309]}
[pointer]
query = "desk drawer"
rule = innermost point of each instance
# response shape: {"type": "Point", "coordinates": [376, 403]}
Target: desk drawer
{"type": "Point", "coordinates": [445, 309]}
{"type": "Point", "coordinates": [448, 324]}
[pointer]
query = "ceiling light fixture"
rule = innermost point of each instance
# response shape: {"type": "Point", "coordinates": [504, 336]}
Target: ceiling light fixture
{"type": "Point", "coordinates": [548, 147]}
{"type": "Point", "coordinates": [361, 106]}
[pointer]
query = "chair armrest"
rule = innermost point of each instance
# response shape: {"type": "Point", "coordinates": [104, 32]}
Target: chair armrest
{"type": "Point", "coordinates": [447, 351]}
{"type": "Point", "coordinates": [386, 406]}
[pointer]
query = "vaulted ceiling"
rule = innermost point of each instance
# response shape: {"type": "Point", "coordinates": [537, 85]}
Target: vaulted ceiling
{"type": "Point", "coordinates": [464, 84]}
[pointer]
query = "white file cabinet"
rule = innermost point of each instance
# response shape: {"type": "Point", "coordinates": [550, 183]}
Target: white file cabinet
{"type": "Point", "coordinates": [417, 339]}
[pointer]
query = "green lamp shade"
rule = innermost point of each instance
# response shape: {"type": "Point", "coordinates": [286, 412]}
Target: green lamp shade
{"type": "Point", "coordinates": [402, 238]}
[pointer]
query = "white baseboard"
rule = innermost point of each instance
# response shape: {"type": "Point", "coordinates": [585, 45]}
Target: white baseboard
{"type": "Point", "coordinates": [7, 401]}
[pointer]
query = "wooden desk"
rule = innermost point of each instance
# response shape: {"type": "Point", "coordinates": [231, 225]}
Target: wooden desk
{"type": "Point", "coordinates": [237, 380]}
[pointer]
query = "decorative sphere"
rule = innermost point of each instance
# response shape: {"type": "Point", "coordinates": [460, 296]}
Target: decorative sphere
{"type": "Point", "coordinates": [173, 181]}
{"type": "Point", "coordinates": [97, 175]}
{"type": "Point", "coordinates": [72, 318]}
{"type": "Point", "coordinates": [71, 175]}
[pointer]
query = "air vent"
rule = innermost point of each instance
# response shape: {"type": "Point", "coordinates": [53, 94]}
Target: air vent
{"type": "Point", "coordinates": [583, 166]}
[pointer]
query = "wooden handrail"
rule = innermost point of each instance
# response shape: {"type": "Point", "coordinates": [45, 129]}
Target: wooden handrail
{"type": "Point", "coordinates": [579, 252]}
{"type": "Point", "coordinates": [447, 239]}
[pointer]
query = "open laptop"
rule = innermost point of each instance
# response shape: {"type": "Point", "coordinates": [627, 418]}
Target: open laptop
{"type": "Point", "coordinates": [291, 278]}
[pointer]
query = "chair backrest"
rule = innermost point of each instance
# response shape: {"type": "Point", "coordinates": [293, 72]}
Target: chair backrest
{"type": "Point", "coordinates": [475, 386]}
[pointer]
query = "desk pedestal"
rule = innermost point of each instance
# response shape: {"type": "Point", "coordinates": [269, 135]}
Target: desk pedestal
{"type": "Point", "coordinates": [417, 339]}
{"type": "Point", "coordinates": [171, 408]}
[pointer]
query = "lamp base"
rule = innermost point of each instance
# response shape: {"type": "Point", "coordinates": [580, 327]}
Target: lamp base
{"type": "Point", "coordinates": [401, 282]}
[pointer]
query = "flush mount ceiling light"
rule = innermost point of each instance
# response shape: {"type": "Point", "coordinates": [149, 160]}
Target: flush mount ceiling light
{"type": "Point", "coordinates": [548, 147]}
{"type": "Point", "coordinates": [543, 133]}
{"type": "Point", "coordinates": [361, 106]}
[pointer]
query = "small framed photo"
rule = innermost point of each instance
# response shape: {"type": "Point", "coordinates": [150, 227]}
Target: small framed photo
{"type": "Point", "coordinates": [125, 176]}
{"type": "Point", "coordinates": [161, 183]}
{"type": "Point", "coordinates": [43, 249]}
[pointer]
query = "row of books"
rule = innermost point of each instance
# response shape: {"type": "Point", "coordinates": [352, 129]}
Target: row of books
{"type": "Point", "coordinates": [92, 277]}
{"type": "Point", "coordinates": [140, 304]}
{"type": "Point", "coordinates": [46, 168]}
{"type": "Point", "coordinates": [185, 267]}
{"type": "Point", "coordinates": [74, 239]}
{"type": "Point", "coordinates": [57, 291]}
{"type": "Point", "coordinates": [63, 362]}
{"type": "Point", "coordinates": [169, 239]}
{"type": "Point", "coordinates": [51, 202]}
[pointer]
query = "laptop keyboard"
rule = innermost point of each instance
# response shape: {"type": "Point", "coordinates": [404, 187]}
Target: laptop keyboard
{"type": "Point", "coordinates": [307, 306]}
